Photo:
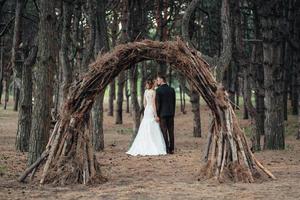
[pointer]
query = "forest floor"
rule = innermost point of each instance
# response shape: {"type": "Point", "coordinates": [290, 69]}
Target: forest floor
{"type": "Point", "coordinates": [161, 177]}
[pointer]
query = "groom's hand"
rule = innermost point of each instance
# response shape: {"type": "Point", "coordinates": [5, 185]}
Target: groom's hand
{"type": "Point", "coordinates": [157, 119]}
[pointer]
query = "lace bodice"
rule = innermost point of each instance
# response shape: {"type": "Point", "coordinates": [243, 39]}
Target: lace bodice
{"type": "Point", "coordinates": [149, 96]}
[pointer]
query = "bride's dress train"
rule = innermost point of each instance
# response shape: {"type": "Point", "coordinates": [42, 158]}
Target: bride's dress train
{"type": "Point", "coordinates": [149, 139]}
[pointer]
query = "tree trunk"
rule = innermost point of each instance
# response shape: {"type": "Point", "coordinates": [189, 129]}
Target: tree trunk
{"type": "Point", "coordinates": [119, 106]}
{"type": "Point", "coordinates": [296, 62]}
{"type": "Point", "coordinates": [90, 53]}
{"type": "Point", "coordinates": [229, 81]}
{"type": "Point", "coordinates": [136, 31]}
{"type": "Point", "coordinates": [24, 119]}
{"type": "Point", "coordinates": [127, 94]}
{"type": "Point", "coordinates": [195, 101]}
{"type": "Point", "coordinates": [246, 90]}
{"type": "Point", "coordinates": [97, 118]}
{"type": "Point", "coordinates": [111, 98]}
{"type": "Point", "coordinates": [133, 77]}
{"type": "Point", "coordinates": [257, 67]}
{"type": "Point", "coordinates": [112, 86]}
{"type": "Point", "coordinates": [162, 31]}
{"type": "Point", "coordinates": [64, 52]}
{"type": "Point", "coordinates": [17, 98]}
{"type": "Point", "coordinates": [6, 90]}
{"type": "Point", "coordinates": [259, 96]}
{"type": "Point", "coordinates": [57, 91]}
{"type": "Point", "coordinates": [182, 100]}
{"type": "Point", "coordinates": [271, 21]}
{"type": "Point", "coordinates": [294, 91]}
{"type": "Point", "coordinates": [298, 83]}
{"type": "Point", "coordinates": [101, 46]}
{"type": "Point", "coordinates": [44, 81]}
{"type": "Point", "coordinates": [77, 36]}
{"type": "Point", "coordinates": [142, 86]}
{"type": "Point", "coordinates": [245, 113]}
{"type": "Point", "coordinates": [290, 74]}
{"type": "Point", "coordinates": [15, 55]}
{"type": "Point", "coordinates": [1, 69]}
{"type": "Point", "coordinates": [122, 75]}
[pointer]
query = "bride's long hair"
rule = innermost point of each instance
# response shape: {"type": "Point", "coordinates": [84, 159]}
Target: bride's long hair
{"type": "Point", "coordinates": [149, 84]}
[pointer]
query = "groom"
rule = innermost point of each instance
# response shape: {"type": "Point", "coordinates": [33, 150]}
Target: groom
{"type": "Point", "coordinates": [166, 102]}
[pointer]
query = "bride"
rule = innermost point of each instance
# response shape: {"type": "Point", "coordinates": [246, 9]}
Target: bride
{"type": "Point", "coordinates": [149, 139]}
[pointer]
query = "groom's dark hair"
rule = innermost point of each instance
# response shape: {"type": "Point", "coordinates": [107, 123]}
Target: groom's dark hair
{"type": "Point", "coordinates": [162, 77]}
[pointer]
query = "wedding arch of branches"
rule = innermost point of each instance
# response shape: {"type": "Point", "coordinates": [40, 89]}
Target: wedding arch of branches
{"type": "Point", "coordinates": [69, 157]}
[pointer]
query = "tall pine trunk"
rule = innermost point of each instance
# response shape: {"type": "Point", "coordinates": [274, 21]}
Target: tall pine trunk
{"type": "Point", "coordinates": [133, 77]}
{"type": "Point", "coordinates": [298, 84]}
{"type": "Point", "coordinates": [64, 52]}
{"type": "Point", "coordinates": [296, 62]}
{"type": "Point", "coordinates": [25, 111]}
{"type": "Point", "coordinates": [136, 31]}
{"type": "Point", "coordinates": [6, 90]}
{"type": "Point", "coordinates": [120, 95]}
{"type": "Point", "coordinates": [15, 53]}
{"type": "Point", "coordinates": [1, 69]}
{"type": "Point", "coordinates": [17, 97]}
{"type": "Point", "coordinates": [112, 85]}
{"type": "Point", "coordinates": [271, 22]}
{"type": "Point", "coordinates": [259, 95]}
{"type": "Point", "coordinates": [122, 75]}
{"type": "Point", "coordinates": [97, 121]}
{"type": "Point", "coordinates": [101, 45]}
{"type": "Point", "coordinates": [111, 98]}
{"type": "Point", "coordinates": [127, 93]}
{"type": "Point", "coordinates": [195, 101]}
{"type": "Point", "coordinates": [44, 81]}
{"type": "Point", "coordinates": [143, 80]}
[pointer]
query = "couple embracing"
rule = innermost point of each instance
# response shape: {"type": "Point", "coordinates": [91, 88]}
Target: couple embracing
{"type": "Point", "coordinates": [156, 132]}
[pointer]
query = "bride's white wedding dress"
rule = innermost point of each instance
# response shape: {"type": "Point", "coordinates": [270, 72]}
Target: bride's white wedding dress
{"type": "Point", "coordinates": [149, 139]}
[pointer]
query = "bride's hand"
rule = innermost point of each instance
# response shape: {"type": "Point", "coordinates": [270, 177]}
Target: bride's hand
{"type": "Point", "coordinates": [157, 119]}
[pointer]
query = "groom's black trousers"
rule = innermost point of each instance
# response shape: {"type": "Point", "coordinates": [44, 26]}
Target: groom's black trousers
{"type": "Point", "coordinates": [167, 128]}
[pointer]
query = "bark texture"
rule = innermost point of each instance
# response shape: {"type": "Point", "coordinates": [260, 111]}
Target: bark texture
{"type": "Point", "coordinates": [64, 53]}
{"type": "Point", "coordinates": [15, 53]}
{"type": "Point", "coordinates": [271, 13]}
{"type": "Point", "coordinates": [195, 101]}
{"type": "Point", "coordinates": [44, 81]}
{"type": "Point", "coordinates": [101, 46]}
{"type": "Point", "coordinates": [120, 97]}
{"type": "Point", "coordinates": [25, 111]}
{"type": "Point", "coordinates": [122, 75]}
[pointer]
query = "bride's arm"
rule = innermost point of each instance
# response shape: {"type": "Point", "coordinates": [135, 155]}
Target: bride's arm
{"type": "Point", "coordinates": [145, 102]}
{"type": "Point", "coordinates": [154, 104]}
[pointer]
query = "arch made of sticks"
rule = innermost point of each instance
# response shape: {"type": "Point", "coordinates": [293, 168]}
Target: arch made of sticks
{"type": "Point", "coordinates": [69, 156]}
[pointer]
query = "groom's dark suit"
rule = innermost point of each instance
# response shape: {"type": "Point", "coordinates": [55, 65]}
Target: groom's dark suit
{"type": "Point", "coordinates": [166, 102]}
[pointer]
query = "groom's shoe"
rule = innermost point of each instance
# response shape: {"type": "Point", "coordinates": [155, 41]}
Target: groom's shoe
{"type": "Point", "coordinates": [171, 152]}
